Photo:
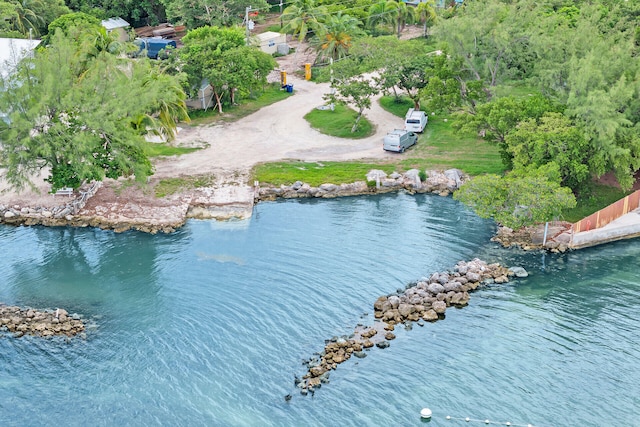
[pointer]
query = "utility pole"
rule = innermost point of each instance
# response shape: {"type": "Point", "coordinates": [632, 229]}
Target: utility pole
{"type": "Point", "coordinates": [246, 21]}
{"type": "Point", "coordinates": [280, 13]}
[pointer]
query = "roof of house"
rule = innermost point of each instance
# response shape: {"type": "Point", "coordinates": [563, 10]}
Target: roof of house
{"type": "Point", "coordinates": [269, 35]}
{"type": "Point", "coordinates": [113, 23]}
{"type": "Point", "coordinates": [12, 51]}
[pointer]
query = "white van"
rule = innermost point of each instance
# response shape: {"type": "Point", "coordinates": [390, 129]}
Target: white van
{"type": "Point", "coordinates": [399, 140]}
{"type": "Point", "coordinates": [415, 121]}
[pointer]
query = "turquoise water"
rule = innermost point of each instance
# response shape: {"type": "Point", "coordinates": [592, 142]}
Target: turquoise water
{"type": "Point", "coordinates": [208, 326]}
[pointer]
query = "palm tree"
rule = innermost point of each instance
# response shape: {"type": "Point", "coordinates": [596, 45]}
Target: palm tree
{"type": "Point", "coordinates": [303, 16]}
{"type": "Point", "coordinates": [337, 36]}
{"type": "Point", "coordinates": [170, 108]}
{"type": "Point", "coordinates": [25, 18]}
{"type": "Point", "coordinates": [382, 13]}
{"type": "Point", "coordinates": [404, 14]}
{"type": "Point", "coordinates": [426, 14]}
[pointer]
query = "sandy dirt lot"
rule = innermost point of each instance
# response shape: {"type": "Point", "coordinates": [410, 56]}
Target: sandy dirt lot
{"type": "Point", "coordinates": [276, 132]}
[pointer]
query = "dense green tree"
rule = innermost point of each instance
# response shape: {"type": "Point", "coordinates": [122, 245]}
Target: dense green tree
{"type": "Point", "coordinates": [589, 62]}
{"type": "Point", "coordinates": [54, 122]}
{"type": "Point", "coordinates": [335, 38]}
{"type": "Point", "coordinates": [246, 69]}
{"type": "Point", "coordinates": [447, 90]}
{"type": "Point", "coordinates": [518, 199]}
{"type": "Point", "coordinates": [302, 17]}
{"type": "Point", "coordinates": [492, 39]}
{"type": "Point", "coordinates": [552, 138]}
{"type": "Point", "coordinates": [197, 13]}
{"type": "Point", "coordinates": [494, 120]}
{"type": "Point", "coordinates": [409, 74]}
{"type": "Point", "coordinates": [220, 57]}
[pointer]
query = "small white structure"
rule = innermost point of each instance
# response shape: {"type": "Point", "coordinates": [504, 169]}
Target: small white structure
{"type": "Point", "coordinates": [12, 51]}
{"type": "Point", "coordinates": [204, 101]}
{"type": "Point", "coordinates": [119, 26]}
{"type": "Point", "coordinates": [268, 42]}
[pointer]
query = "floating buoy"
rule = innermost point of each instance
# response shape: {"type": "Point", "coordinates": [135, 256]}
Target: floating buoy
{"type": "Point", "coordinates": [425, 413]}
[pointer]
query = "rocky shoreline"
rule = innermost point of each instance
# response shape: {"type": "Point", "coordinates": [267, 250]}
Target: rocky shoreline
{"type": "Point", "coordinates": [47, 323]}
{"type": "Point", "coordinates": [423, 301]}
{"type": "Point", "coordinates": [377, 182]}
{"type": "Point", "coordinates": [148, 214]}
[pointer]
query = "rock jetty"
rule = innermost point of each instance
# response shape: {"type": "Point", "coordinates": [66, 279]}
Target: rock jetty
{"type": "Point", "coordinates": [27, 321]}
{"type": "Point", "coordinates": [425, 300]}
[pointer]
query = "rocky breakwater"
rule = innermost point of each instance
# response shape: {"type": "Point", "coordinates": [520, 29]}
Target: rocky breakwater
{"type": "Point", "coordinates": [27, 321]}
{"type": "Point", "coordinates": [425, 300]}
{"type": "Point", "coordinates": [377, 182]}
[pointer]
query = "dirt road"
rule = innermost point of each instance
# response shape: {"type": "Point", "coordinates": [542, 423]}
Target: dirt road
{"type": "Point", "coordinates": [276, 132]}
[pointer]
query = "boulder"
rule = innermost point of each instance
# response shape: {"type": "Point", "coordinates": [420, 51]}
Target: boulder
{"type": "Point", "coordinates": [430, 315]}
{"type": "Point", "coordinates": [374, 174]}
{"type": "Point", "coordinates": [473, 276]}
{"type": "Point", "coordinates": [518, 272]}
{"type": "Point", "coordinates": [435, 288]}
{"type": "Point", "coordinates": [452, 286]}
{"type": "Point", "coordinates": [383, 344]}
{"type": "Point", "coordinates": [405, 310]}
{"type": "Point", "coordinates": [394, 301]}
{"type": "Point", "coordinates": [455, 177]}
{"type": "Point", "coordinates": [439, 307]}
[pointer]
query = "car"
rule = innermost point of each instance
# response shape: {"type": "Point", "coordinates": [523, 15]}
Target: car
{"type": "Point", "coordinates": [399, 140]}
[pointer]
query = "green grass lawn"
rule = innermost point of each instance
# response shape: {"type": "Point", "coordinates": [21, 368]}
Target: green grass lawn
{"type": "Point", "coordinates": [396, 106]}
{"type": "Point", "coordinates": [152, 149]}
{"type": "Point", "coordinates": [339, 122]}
{"type": "Point", "coordinates": [442, 147]}
{"type": "Point", "coordinates": [272, 94]}
{"type": "Point", "coordinates": [315, 173]}
{"type": "Point", "coordinates": [594, 198]}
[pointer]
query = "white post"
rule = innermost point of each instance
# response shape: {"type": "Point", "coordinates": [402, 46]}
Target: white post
{"type": "Point", "coordinates": [544, 238]}
{"type": "Point", "coordinates": [280, 13]}
{"type": "Point", "coordinates": [246, 21]}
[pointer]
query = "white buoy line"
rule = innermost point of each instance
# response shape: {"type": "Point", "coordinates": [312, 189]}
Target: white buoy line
{"type": "Point", "coordinates": [486, 421]}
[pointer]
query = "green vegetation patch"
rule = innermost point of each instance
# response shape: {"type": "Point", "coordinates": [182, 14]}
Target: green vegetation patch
{"type": "Point", "coordinates": [397, 106]}
{"type": "Point", "coordinates": [442, 147]}
{"type": "Point", "coordinates": [272, 94]}
{"type": "Point", "coordinates": [315, 173]}
{"type": "Point", "coordinates": [339, 122]}
{"type": "Point", "coordinates": [594, 198]}
{"type": "Point", "coordinates": [152, 149]}
{"type": "Point", "coordinates": [170, 186]}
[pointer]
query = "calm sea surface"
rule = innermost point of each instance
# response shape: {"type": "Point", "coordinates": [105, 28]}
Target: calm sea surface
{"type": "Point", "coordinates": [209, 325]}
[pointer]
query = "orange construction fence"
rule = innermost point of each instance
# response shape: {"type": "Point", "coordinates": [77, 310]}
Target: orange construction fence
{"type": "Point", "coordinates": [608, 214]}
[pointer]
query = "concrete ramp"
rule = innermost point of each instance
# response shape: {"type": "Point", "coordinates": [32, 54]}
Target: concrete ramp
{"type": "Point", "coordinates": [625, 227]}
{"type": "Point", "coordinates": [222, 203]}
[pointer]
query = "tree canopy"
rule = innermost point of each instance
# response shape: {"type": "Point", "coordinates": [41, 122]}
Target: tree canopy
{"type": "Point", "coordinates": [518, 199]}
{"type": "Point", "coordinates": [54, 121]}
{"type": "Point", "coordinates": [219, 57]}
